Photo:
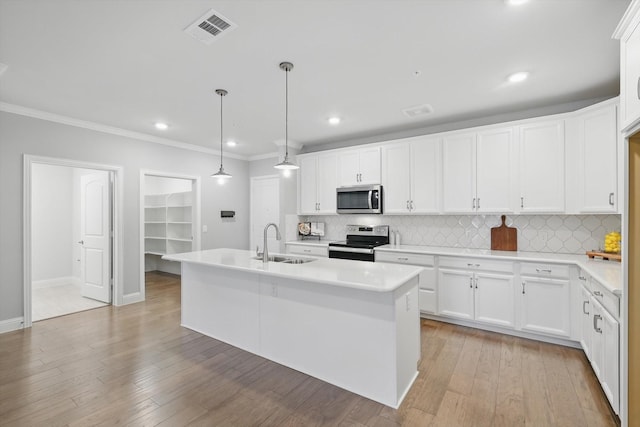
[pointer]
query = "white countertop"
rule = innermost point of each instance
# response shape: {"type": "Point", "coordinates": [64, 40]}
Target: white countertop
{"type": "Point", "coordinates": [608, 273]}
{"type": "Point", "coordinates": [368, 276]}
{"type": "Point", "coordinates": [317, 243]}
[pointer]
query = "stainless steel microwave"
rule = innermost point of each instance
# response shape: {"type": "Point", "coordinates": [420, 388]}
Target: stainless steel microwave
{"type": "Point", "coordinates": [361, 199]}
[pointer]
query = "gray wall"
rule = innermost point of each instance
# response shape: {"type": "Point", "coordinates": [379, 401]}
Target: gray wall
{"type": "Point", "coordinates": [24, 135]}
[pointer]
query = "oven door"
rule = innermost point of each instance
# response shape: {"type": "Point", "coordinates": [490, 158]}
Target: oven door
{"type": "Point", "coordinates": [358, 254]}
{"type": "Point", "coordinates": [359, 200]}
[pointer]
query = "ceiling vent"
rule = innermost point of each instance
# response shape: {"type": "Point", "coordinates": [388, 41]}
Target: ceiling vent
{"type": "Point", "coordinates": [210, 27]}
{"type": "Point", "coordinates": [417, 111]}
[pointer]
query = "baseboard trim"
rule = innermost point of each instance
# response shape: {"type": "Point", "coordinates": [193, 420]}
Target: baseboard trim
{"type": "Point", "coordinates": [11, 324]}
{"type": "Point", "coordinates": [132, 298]}
{"type": "Point", "coordinates": [58, 281]}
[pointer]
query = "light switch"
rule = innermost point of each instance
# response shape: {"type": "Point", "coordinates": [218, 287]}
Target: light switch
{"type": "Point", "coordinates": [204, 229]}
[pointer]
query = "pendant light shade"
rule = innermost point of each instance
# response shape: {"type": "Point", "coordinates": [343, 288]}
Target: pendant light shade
{"type": "Point", "coordinates": [286, 164]}
{"type": "Point", "coordinates": [221, 174]}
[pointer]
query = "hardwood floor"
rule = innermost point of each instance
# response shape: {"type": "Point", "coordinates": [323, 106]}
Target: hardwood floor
{"type": "Point", "coordinates": [134, 365]}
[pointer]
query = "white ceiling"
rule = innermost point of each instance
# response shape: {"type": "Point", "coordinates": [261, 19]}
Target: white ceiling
{"type": "Point", "coordinates": [128, 64]}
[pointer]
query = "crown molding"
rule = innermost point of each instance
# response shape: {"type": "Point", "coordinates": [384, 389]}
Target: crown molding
{"type": "Point", "coordinates": [626, 19]}
{"type": "Point", "coordinates": [98, 127]}
{"type": "Point", "coordinates": [263, 156]}
{"type": "Point", "coordinates": [293, 144]}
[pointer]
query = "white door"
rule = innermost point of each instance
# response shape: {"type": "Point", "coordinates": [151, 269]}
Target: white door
{"type": "Point", "coordinates": [425, 176]}
{"type": "Point", "coordinates": [494, 177]}
{"type": "Point", "coordinates": [349, 168]}
{"type": "Point", "coordinates": [95, 232]}
{"type": "Point", "coordinates": [586, 321]}
{"type": "Point", "coordinates": [370, 166]}
{"type": "Point", "coordinates": [265, 208]}
{"type": "Point", "coordinates": [455, 294]}
{"type": "Point", "coordinates": [459, 173]}
{"type": "Point", "coordinates": [494, 299]}
{"type": "Point", "coordinates": [546, 306]}
{"type": "Point", "coordinates": [327, 175]}
{"type": "Point", "coordinates": [396, 178]}
{"type": "Point", "coordinates": [308, 184]}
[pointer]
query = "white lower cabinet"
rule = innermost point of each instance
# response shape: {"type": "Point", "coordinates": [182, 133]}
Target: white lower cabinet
{"type": "Point", "coordinates": [600, 341]}
{"type": "Point", "coordinates": [480, 296]}
{"type": "Point", "coordinates": [545, 306]}
{"type": "Point", "coordinates": [312, 250]}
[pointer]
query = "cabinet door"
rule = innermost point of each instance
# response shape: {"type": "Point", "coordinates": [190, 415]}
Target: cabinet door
{"type": "Point", "coordinates": [542, 167]}
{"type": "Point", "coordinates": [630, 75]}
{"type": "Point", "coordinates": [308, 185]}
{"type": "Point", "coordinates": [494, 299]}
{"type": "Point", "coordinates": [370, 166]}
{"type": "Point", "coordinates": [494, 166]}
{"type": "Point", "coordinates": [425, 175]}
{"type": "Point", "coordinates": [605, 352]}
{"type": "Point", "coordinates": [546, 306]}
{"type": "Point", "coordinates": [327, 182]}
{"type": "Point", "coordinates": [348, 168]}
{"type": "Point", "coordinates": [597, 161]}
{"type": "Point", "coordinates": [586, 322]}
{"type": "Point", "coordinates": [458, 173]}
{"type": "Point", "coordinates": [597, 339]}
{"type": "Point", "coordinates": [396, 171]}
{"type": "Point", "coordinates": [455, 294]}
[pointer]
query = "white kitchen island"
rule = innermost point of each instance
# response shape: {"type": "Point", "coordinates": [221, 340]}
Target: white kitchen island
{"type": "Point", "coordinates": [352, 324]}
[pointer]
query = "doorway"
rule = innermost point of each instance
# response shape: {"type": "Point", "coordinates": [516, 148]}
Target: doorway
{"type": "Point", "coordinates": [169, 220]}
{"type": "Point", "coordinates": [265, 208]}
{"type": "Point", "coordinates": [70, 239]}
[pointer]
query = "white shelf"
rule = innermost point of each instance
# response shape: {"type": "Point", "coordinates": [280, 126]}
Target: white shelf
{"type": "Point", "coordinates": [155, 237]}
{"type": "Point", "coordinates": [177, 239]}
{"type": "Point", "coordinates": [154, 253]}
{"type": "Point", "coordinates": [168, 223]}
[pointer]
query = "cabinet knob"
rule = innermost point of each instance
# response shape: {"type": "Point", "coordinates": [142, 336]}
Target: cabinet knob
{"type": "Point", "coordinates": [81, 242]}
{"type": "Point", "coordinates": [478, 203]}
{"type": "Point", "coordinates": [597, 293]}
{"type": "Point", "coordinates": [522, 202]}
{"type": "Point", "coordinates": [471, 282]}
{"type": "Point", "coordinates": [473, 203]}
{"type": "Point", "coordinates": [523, 288]}
{"type": "Point", "coordinates": [611, 199]}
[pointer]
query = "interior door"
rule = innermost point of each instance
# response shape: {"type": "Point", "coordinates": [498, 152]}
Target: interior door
{"type": "Point", "coordinates": [95, 231]}
{"type": "Point", "coordinates": [265, 208]}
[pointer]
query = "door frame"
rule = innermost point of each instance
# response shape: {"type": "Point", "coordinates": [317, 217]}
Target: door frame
{"type": "Point", "coordinates": [195, 212]}
{"type": "Point", "coordinates": [252, 182]}
{"type": "Point", "coordinates": [116, 207]}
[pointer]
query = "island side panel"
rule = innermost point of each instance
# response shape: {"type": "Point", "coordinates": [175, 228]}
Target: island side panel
{"type": "Point", "coordinates": [408, 336]}
{"type": "Point", "coordinates": [222, 304]}
{"type": "Point", "coordinates": [344, 336]}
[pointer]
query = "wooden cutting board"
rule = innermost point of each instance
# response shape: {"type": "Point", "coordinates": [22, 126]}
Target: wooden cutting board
{"type": "Point", "coordinates": [504, 238]}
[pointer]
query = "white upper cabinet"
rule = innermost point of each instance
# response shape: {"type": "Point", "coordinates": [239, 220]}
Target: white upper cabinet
{"type": "Point", "coordinates": [542, 167]}
{"type": "Point", "coordinates": [628, 32]}
{"type": "Point", "coordinates": [597, 161]}
{"type": "Point", "coordinates": [411, 176]}
{"type": "Point", "coordinates": [317, 184]}
{"type": "Point", "coordinates": [478, 172]}
{"type": "Point", "coordinates": [359, 167]}
{"type": "Point", "coordinates": [459, 173]}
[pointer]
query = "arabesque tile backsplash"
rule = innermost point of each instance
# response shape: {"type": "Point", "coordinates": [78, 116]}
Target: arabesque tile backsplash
{"type": "Point", "coordinates": [573, 234]}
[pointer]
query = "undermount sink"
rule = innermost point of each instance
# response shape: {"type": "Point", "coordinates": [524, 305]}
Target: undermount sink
{"type": "Point", "coordinates": [286, 260]}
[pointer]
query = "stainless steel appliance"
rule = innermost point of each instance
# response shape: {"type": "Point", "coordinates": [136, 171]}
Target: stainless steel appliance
{"type": "Point", "coordinates": [360, 243]}
{"type": "Point", "coordinates": [361, 199]}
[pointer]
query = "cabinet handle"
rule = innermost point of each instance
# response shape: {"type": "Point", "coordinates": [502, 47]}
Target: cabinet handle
{"type": "Point", "coordinates": [543, 270]}
{"type": "Point", "coordinates": [403, 259]}
{"type": "Point", "coordinates": [473, 203]}
{"type": "Point", "coordinates": [595, 323]}
{"type": "Point", "coordinates": [469, 265]}
{"type": "Point", "coordinates": [476, 281]}
{"type": "Point", "coordinates": [611, 199]}
{"type": "Point", "coordinates": [523, 288]}
{"type": "Point", "coordinates": [638, 87]}
{"type": "Point", "coordinates": [471, 282]}
{"type": "Point", "coordinates": [584, 279]}
{"type": "Point", "coordinates": [411, 204]}
{"type": "Point", "coordinates": [583, 309]}
{"type": "Point", "coordinates": [478, 202]}
{"type": "Point", "coordinates": [597, 293]}
{"type": "Point", "coordinates": [522, 202]}
{"type": "Point", "coordinates": [81, 242]}
{"type": "Point", "coordinates": [306, 250]}
{"type": "Point", "coordinates": [408, 208]}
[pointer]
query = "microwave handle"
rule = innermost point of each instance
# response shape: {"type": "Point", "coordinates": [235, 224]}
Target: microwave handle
{"type": "Point", "coordinates": [370, 199]}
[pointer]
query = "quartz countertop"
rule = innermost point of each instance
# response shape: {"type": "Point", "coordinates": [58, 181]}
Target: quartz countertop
{"type": "Point", "coordinates": [317, 243]}
{"type": "Point", "coordinates": [368, 276]}
{"type": "Point", "coordinates": [608, 273]}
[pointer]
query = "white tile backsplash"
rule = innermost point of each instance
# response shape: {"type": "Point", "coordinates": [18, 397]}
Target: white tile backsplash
{"type": "Point", "coordinates": [572, 234]}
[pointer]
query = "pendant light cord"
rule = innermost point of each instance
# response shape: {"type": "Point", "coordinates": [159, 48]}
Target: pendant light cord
{"type": "Point", "coordinates": [286, 114]}
{"type": "Point", "coordinates": [221, 124]}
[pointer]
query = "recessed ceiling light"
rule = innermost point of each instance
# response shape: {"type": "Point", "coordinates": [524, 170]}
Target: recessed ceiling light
{"type": "Point", "coordinates": [161, 126]}
{"type": "Point", "coordinates": [334, 120]}
{"type": "Point", "coordinates": [518, 77]}
{"type": "Point", "coordinates": [516, 2]}
{"type": "Point", "coordinates": [231, 143]}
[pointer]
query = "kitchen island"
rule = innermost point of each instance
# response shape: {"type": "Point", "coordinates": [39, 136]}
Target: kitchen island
{"type": "Point", "coordinates": [351, 324]}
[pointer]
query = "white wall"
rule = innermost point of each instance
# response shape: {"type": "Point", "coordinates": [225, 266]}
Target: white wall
{"type": "Point", "coordinates": [21, 135]}
{"type": "Point", "coordinates": [52, 222]}
{"type": "Point", "coordinates": [165, 185]}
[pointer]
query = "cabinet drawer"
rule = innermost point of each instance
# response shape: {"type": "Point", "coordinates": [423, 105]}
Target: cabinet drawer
{"type": "Point", "coordinates": [544, 270]}
{"type": "Point", "coordinates": [405, 258]}
{"type": "Point", "coordinates": [427, 301]}
{"type": "Point", "coordinates": [308, 250]}
{"type": "Point", "coordinates": [608, 300]}
{"type": "Point", "coordinates": [476, 264]}
{"type": "Point", "coordinates": [585, 280]}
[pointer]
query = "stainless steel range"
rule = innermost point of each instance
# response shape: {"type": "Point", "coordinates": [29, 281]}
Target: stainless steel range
{"type": "Point", "coordinates": [360, 243]}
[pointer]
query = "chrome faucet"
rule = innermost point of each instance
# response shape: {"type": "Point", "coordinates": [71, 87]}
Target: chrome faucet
{"type": "Point", "coordinates": [265, 252]}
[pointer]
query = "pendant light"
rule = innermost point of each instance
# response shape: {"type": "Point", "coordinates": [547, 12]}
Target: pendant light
{"type": "Point", "coordinates": [286, 164]}
{"type": "Point", "coordinates": [221, 174]}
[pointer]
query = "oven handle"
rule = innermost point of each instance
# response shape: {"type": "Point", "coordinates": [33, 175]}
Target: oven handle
{"type": "Point", "coordinates": [351, 250]}
{"type": "Point", "coordinates": [370, 199]}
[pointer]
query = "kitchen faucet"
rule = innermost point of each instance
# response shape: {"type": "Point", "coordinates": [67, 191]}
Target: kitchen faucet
{"type": "Point", "coordinates": [265, 252]}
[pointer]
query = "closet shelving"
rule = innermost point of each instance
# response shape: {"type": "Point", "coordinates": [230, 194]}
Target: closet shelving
{"type": "Point", "coordinates": [168, 226]}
